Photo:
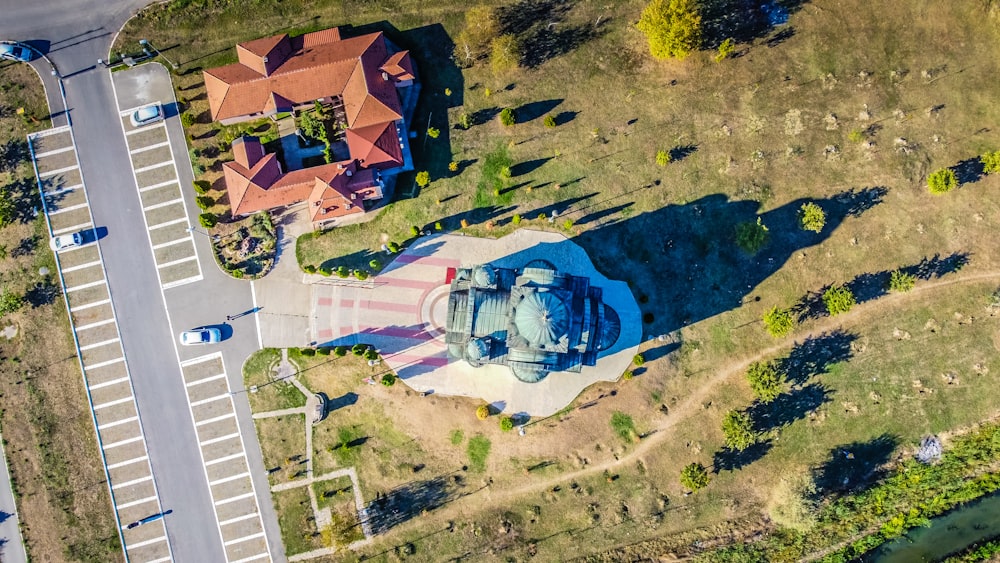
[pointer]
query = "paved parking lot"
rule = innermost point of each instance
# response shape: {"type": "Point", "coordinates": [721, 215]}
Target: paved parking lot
{"type": "Point", "coordinates": [222, 452]}
{"type": "Point", "coordinates": [95, 329]}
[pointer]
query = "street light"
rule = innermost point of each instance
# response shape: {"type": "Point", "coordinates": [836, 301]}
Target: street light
{"type": "Point", "coordinates": [146, 45]}
{"type": "Point", "coordinates": [215, 238]}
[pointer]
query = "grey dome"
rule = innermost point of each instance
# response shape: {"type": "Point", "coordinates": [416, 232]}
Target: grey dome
{"type": "Point", "coordinates": [485, 276]}
{"type": "Point", "coordinates": [477, 349]}
{"type": "Point", "coordinates": [611, 329]}
{"type": "Point", "coordinates": [542, 318]}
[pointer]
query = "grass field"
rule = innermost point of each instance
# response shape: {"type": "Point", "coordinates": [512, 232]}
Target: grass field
{"type": "Point", "coordinates": [60, 487]}
{"type": "Point", "coordinates": [851, 106]}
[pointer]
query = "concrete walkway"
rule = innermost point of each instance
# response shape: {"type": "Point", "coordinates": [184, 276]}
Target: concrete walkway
{"type": "Point", "coordinates": [12, 546]}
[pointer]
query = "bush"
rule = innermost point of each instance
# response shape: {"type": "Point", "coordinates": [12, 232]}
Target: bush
{"type": "Point", "coordinates": [453, 166]}
{"type": "Point", "coordinates": [340, 351]}
{"type": "Point", "coordinates": [387, 379]}
{"type": "Point", "coordinates": [779, 322]}
{"type": "Point", "coordinates": [751, 237]}
{"type": "Point", "coordinates": [549, 121]}
{"type": "Point", "coordinates": [515, 220]}
{"type": "Point", "coordinates": [208, 220]}
{"type": "Point", "coordinates": [370, 354]}
{"type": "Point", "coordinates": [694, 476]}
{"type": "Point", "coordinates": [361, 275]}
{"type": "Point", "coordinates": [323, 351]}
{"type": "Point", "coordinates": [765, 381]}
{"type": "Point", "coordinates": [638, 359]}
{"type": "Point", "coordinates": [433, 132]}
{"type": "Point", "coordinates": [423, 178]}
{"type": "Point", "coordinates": [672, 27]}
{"type": "Point", "coordinates": [187, 120]}
{"type": "Point", "coordinates": [204, 201]}
{"type": "Point", "coordinates": [202, 186]}
{"type": "Point", "coordinates": [838, 299]}
{"type": "Point", "coordinates": [342, 271]}
{"type": "Point", "coordinates": [438, 226]}
{"type": "Point", "coordinates": [504, 53]}
{"type": "Point", "coordinates": [507, 117]}
{"type": "Point", "coordinates": [567, 224]}
{"type": "Point", "coordinates": [738, 430]}
{"type": "Point", "coordinates": [307, 351]}
{"type": "Point", "coordinates": [726, 49]}
{"type": "Point", "coordinates": [628, 375]}
{"type": "Point", "coordinates": [663, 157]}
{"type": "Point", "coordinates": [414, 231]}
{"type": "Point", "coordinates": [393, 247]}
{"type": "Point", "coordinates": [901, 282]}
{"type": "Point", "coordinates": [374, 264]}
{"type": "Point", "coordinates": [10, 301]}
{"type": "Point", "coordinates": [812, 217]}
{"type": "Point", "coordinates": [942, 181]}
{"type": "Point", "coordinates": [325, 271]}
{"type": "Point", "coordinates": [991, 162]}
{"type": "Point", "coordinates": [359, 349]}
{"type": "Point", "coordinates": [309, 269]}
{"type": "Point", "coordinates": [506, 423]}
{"type": "Point", "coordinates": [483, 412]}
{"type": "Point", "coordinates": [464, 121]}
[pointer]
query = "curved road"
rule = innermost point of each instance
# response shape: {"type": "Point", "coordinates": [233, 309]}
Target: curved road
{"type": "Point", "coordinates": [74, 34]}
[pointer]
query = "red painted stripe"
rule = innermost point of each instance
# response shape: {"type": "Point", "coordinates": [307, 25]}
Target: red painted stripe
{"type": "Point", "coordinates": [326, 333]}
{"type": "Point", "coordinates": [347, 303]}
{"type": "Point", "coordinates": [429, 260]}
{"type": "Point", "coordinates": [325, 301]}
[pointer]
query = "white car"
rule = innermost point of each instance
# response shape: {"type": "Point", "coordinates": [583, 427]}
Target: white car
{"type": "Point", "coordinates": [15, 52]}
{"type": "Point", "coordinates": [146, 115]}
{"type": "Point", "coordinates": [65, 241]}
{"type": "Point", "coordinates": [201, 336]}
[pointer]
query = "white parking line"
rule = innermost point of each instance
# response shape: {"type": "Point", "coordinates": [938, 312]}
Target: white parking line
{"type": "Point", "coordinates": [52, 152]}
{"type": "Point", "coordinates": [161, 560]}
{"type": "Point", "coordinates": [109, 383]}
{"type": "Point", "coordinates": [118, 422]}
{"type": "Point", "coordinates": [70, 208]}
{"type": "Point", "coordinates": [147, 128]}
{"type": "Point", "coordinates": [99, 344]}
{"type": "Point", "coordinates": [178, 261]}
{"type": "Point", "coordinates": [201, 359]}
{"type": "Point", "coordinates": [233, 499]}
{"type": "Point", "coordinates": [216, 419]}
{"type": "Point", "coordinates": [132, 482]}
{"type": "Point", "coordinates": [168, 223]}
{"type": "Point", "coordinates": [209, 400]}
{"type": "Point", "coordinates": [160, 185]}
{"type": "Point", "coordinates": [102, 364]}
{"type": "Point", "coordinates": [149, 147]}
{"type": "Point", "coordinates": [113, 403]}
{"type": "Point", "coordinates": [264, 555]}
{"type": "Point", "coordinates": [89, 305]}
{"type": "Point", "coordinates": [164, 204]}
{"type": "Point", "coordinates": [224, 459]}
{"type": "Point", "coordinates": [82, 266]}
{"type": "Point", "coordinates": [64, 190]}
{"type": "Point", "coordinates": [228, 479]}
{"type": "Point", "coordinates": [219, 439]}
{"type": "Point", "coordinates": [244, 538]}
{"type": "Point", "coordinates": [145, 543]}
{"type": "Point", "coordinates": [53, 131]}
{"type": "Point", "coordinates": [239, 519]}
{"type": "Point", "coordinates": [135, 502]}
{"type": "Point", "coordinates": [205, 380]}
{"type": "Point", "coordinates": [184, 281]}
{"type": "Point", "coordinates": [129, 462]}
{"type": "Point", "coordinates": [95, 324]}
{"type": "Point", "coordinates": [85, 286]}
{"type": "Point", "coordinates": [171, 243]}
{"type": "Point", "coordinates": [123, 442]}
{"type": "Point", "coordinates": [79, 227]}
{"type": "Point", "coordinates": [153, 166]}
{"type": "Point", "coordinates": [55, 172]}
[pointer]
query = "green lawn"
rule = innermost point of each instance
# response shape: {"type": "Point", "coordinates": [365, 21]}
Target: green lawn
{"type": "Point", "coordinates": [283, 443]}
{"type": "Point", "coordinates": [298, 526]}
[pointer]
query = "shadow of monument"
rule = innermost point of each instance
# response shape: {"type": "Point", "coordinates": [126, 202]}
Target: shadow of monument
{"type": "Point", "coordinates": [851, 466]}
{"type": "Point", "coordinates": [407, 502]}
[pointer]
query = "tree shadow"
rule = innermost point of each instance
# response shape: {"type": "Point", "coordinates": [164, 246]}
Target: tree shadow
{"type": "Point", "coordinates": [728, 459]}
{"type": "Point", "coordinates": [482, 116]}
{"type": "Point", "coordinates": [534, 110]}
{"type": "Point", "coordinates": [597, 216]}
{"type": "Point", "coordinates": [527, 167]}
{"type": "Point", "coordinates": [406, 502]}
{"type": "Point", "coordinates": [565, 117]}
{"type": "Point", "coordinates": [13, 153]}
{"type": "Point", "coordinates": [794, 405]}
{"type": "Point", "coordinates": [969, 170]}
{"type": "Point", "coordinates": [851, 466]}
{"type": "Point", "coordinates": [780, 37]}
{"type": "Point", "coordinates": [870, 286]}
{"type": "Point", "coordinates": [815, 355]}
{"type": "Point", "coordinates": [743, 20]}
{"type": "Point", "coordinates": [541, 30]}
{"type": "Point", "coordinates": [680, 153]}
{"type": "Point", "coordinates": [25, 247]}
{"type": "Point", "coordinates": [23, 193]}
{"type": "Point", "coordinates": [42, 293]}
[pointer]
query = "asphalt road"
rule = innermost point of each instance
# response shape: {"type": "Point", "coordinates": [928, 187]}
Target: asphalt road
{"type": "Point", "coordinates": [75, 34]}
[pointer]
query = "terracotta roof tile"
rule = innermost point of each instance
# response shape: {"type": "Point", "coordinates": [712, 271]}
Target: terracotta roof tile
{"type": "Point", "coordinates": [399, 66]}
{"type": "Point", "coordinates": [376, 145]}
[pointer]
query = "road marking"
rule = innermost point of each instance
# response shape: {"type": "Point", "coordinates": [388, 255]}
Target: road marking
{"type": "Point", "coordinates": [129, 462]}
{"type": "Point", "coordinates": [134, 502]}
{"type": "Point", "coordinates": [117, 422]}
{"type": "Point", "coordinates": [171, 243]}
{"type": "Point", "coordinates": [107, 363]}
{"type": "Point", "coordinates": [149, 148]}
{"type": "Point", "coordinates": [252, 558]}
{"type": "Point", "coordinates": [244, 538]}
{"type": "Point", "coordinates": [113, 403]}
{"type": "Point", "coordinates": [145, 543]}
{"type": "Point", "coordinates": [147, 128]}
{"type": "Point", "coordinates": [224, 459]}
{"type": "Point", "coordinates": [233, 499]}
{"type": "Point", "coordinates": [160, 185]}
{"type": "Point", "coordinates": [73, 228]}
{"type": "Point", "coordinates": [171, 222]}
{"type": "Point", "coordinates": [184, 281]}
{"type": "Point", "coordinates": [175, 262]}
{"type": "Point", "coordinates": [132, 482]}
{"type": "Point", "coordinates": [80, 267]}
{"type": "Point", "coordinates": [205, 380]}
{"type": "Point", "coordinates": [55, 172]}
{"type": "Point", "coordinates": [228, 479]}
{"type": "Point", "coordinates": [99, 344]}
{"type": "Point", "coordinates": [70, 208]}
{"type": "Point", "coordinates": [209, 400]}
{"type": "Point", "coordinates": [109, 383]}
{"type": "Point", "coordinates": [161, 560]}
{"type": "Point", "coordinates": [52, 152]}
{"type": "Point", "coordinates": [86, 285]}
{"type": "Point", "coordinates": [64, 190]}
{"type": "Point", "coordinates": [239, 519]}
{"type": "Point", "coordinates": [216, 419]}
{"type": "Point", "coordinates": [123, 442]}
{"type": "Point", "coordinates": [53, 131]}
{"type": "Point", "coordinates": [201, 359]}
{"type": "Point", "coordinates": [89, 305]}
{"type": "Point", "coordinates": [219, 439]}
{"type": "Point", "coordinates": [152, 166]}
{"type": "Point", "coordinates": [95, 324]}
{"type": "Point", "coordinates": [164, 204]}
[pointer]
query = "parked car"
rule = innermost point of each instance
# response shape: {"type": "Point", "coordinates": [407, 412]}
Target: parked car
{"type": "Point", "coordinates": [201, 336]}
{"type": "Point", "coordinates": [65, 241]}
{"type": "Point", "coordinates": [146, 115]}
{"type": "Point", "coordinates": [15, 52]}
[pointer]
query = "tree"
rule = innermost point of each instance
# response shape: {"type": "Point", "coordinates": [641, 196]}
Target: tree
{"type": "Point", "coordinates": [201, 186]}
{"type": "Point", "coordinates": [8, 209]}
{"type": "Point", "coordinates": [738, 429]}
{"type": "Point", "coordinates": [340, 351]}
{"type": "Point", "coordinates": [433, 132]}
{"type": "Point", "coordinates": [481, 27]}
{"type": "Point", "coordinates": [507, 117]}
{"type": "Point", "coordinates": [694, 476]}
{"type": "Point", "coordinates": [453, 166]}
{"type": "Point", "coordinates": [208, 220]}
{"type": "Point", "coordinates": [204, 201]}
{"type": "Point", "coordinates": [10, 301]}
{"type": "Point", "coordinates": [779, 322]}
{"type": "Point", "coordinates": [672, 27]}
{"type": "Point", "coordinates": [812, 217]}
{"type": "Point", "coordinates": [942, 181]}
{"type": "Point", "coordinates": [991, 162]}
{"type": "Point", "coordinates": [726, 48]}
{"type": "Point", "coordinates": [187, 120]}
{"type": "Point", "coordinates": [751, 237]}
{"type": "Point", "coordinates": [765, 381]}
{"type": "Point", "coordinates": [506, 423]}
{"type": "Point", "coordinates": [901, 282]}
{"type": "Point", "coordinates": [483, 412]}
{"type": "Point", "coordinates": [638, 359]}
{"type": "Point", "coordinates": [663, 157]}
{"type": "Point", "coordinates": [549, 121]}
{"type": "Point", "coordinates": [423, 178]}
{"type": "Point", "coordinates": [838, 299]}
{"type": "Point", "coordinates": [504, 54]}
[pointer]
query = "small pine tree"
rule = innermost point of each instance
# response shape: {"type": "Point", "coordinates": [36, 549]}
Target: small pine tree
{"type": "Point", "coordinates": [204, 201]}
{"type": "Point", "coordinates": [507, 117]}
{"type": "Point", "coordinates": [447, 92]}
{"type": "Point", "coordinates": [208, 220]}
{"type": "Point", "coordinates": [506, 423]}
{"type": "Point", "coordinates": [901, 282]}
{"type": "Point", "coordinates": [694, 476]}
{"type": "Point", "coordinates": [765, 380]}
{"type": "Point", "coordinates": [414, 231]}
{"type": "Point", "coordinates": [433, 132]}
{"type": "Point", "coordinates": [779, 322]}
{"type": "Point", "coordinates": [464, 121]}
{"type": "Point", "coordinates": [374, 264]}
{"type": "Point", "coordinates": [663, 157]}
{"type": "Point", "coordinates": [187, 120]}
{"type": "Point", "coordinates": [638, 359]}
{"type": "Point", "coordinates": [423, 178]}
{"type": "Point", "coordinates": [738, 430]}
{"type": "Point", "coordinates": [991, 162]}
{"type": "Point", "coordinates": [838, 299]}
{"type": "Point", "coordinates": [942, 181]}
{"type": "Point", "coordinates": [549, 121]}
{"type": "Point", "coordinates": [812, 217]}
{"type": "Point", "coordinates": [453, 166]}
{"type": "Point", "coordinates": [672, 27]}
{"type": "Point", "coordinates": [515, 220]}
{"type": "Point", "coordinates": [438, 226]}
{"type": "Point", "coordinates": [483, 412]}
{"type": "Point", "coordinates": [726, 49]}
{"type": "Point", "coordinates": [340, 351]}
{"type": "Point", "coordinates": [393, 247]}
{"type": "Point", "coordinates": [567, 224]}
{"type": "Point", "coordinates": [751, 237]}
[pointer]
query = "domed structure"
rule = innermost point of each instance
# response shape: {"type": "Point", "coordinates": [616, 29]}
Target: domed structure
{"type": "Point", "coordinates": [542, 319]}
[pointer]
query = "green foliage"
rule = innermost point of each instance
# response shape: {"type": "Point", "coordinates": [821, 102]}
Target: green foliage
{"type": "Point", "coordinates": [506, 423]}
{"type": "Point", "coordinates": [361, 274]}
{"type": "Point", "coordinates": [201, 186]}
{"type": "Point", "coordinates": [515, 220]}
{"type": "Point", "coordinates": [726, 49]}
{"type": "Point", "coordinates": [414, 231]}
{"type": "Point", "coordinates": [187, 120]}
{"type": "Point", "coordinates": [438, 226]}
{"type": "Point", "coordinates": [694, 476]}
{"type": "Point", "coordinates": [507, 117]}
{"type": "Point", "coordinates": [447, 92]}
{"type": "Point", "coordinates": [481, 26]}
{"type": "Point", "coordinates": [423, 178]}
{"type": "Point", "coordinates": [370, 354]}
{"type": "Point", "coordinates": [672, 27]}
{"type": "Point", "coordinates": [942, 181]}
{"type": "Point", "coordinates": [991, 162]}
{"type": "Point", "coordinates": [340, 351]}
{"type": "Point", "coordinates": [549, 121]}
{"type": "Point", "coordinates": [901, 282]}
{"type": "Point", "coordinates": [8, 209]}
{"type": "Point", "coordinates": [325, 270]}
{"type": "Point", "coordinates": [208, 220]}
{"type": "Point", "coordinates": [856, 136]}
{"type": "Point", "coordinates": [464, 121]}
{"type": "Point", "coordinates": [638, 359]}
{"type": "Point", "coordinates": [342, 271]}
{"type": "Point", "coordinates": [505, 172]}
{"type": "Point", "coordinates": [751, 237]}
{"type": "Point", "coordinates": [765, 380]}
{"type": "Point", "coordinates": [478, 450]}
{"type": "Point", "coordinates": [456, 437]}
{"type": "Point", "coordinates": [453, 166]}
{"type": "Point", "coordinates": [623, 425]}
{"type": "Point", "coordinates": [567, 224]}
{"type": "Point", "coordinates": [779, 322]}
{"type": "Point", "coordinates": [309, 269]}
{"type": "Point", "coordinates": [433, 132]}
{"type": "Point", "coordinates": [504, 54]}
{"type": "Point", "coordinates": [10, 301]}
{"type": "Point", "coordinates": [323, 351]}
{"type": "Point", "coordinates": [663, 157]}
{"type": "Point", "coordinates": [388, 379]}
{"type": "Point", "coordinates": [393, 247]}
{"type": "Point", "coordinates": [838, 299]}
{"type": "Point", "coordinates": [204, 201]}
{"type": "Point", "coordinates": [359, 349]}
{"type": "Point", "coordinates": [738, 430]}
{"type": "Point", "coordinates": [811, 217]}
{"type": "Point", "coordinates": [483, 412]}
{"type": "Point", "coordinates": [308, 352]}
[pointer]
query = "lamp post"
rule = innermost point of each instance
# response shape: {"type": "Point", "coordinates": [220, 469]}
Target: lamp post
{"type": "Point", "coordinates": [215, 238]}
{"type": "Point", "coordinates": [146, 45]}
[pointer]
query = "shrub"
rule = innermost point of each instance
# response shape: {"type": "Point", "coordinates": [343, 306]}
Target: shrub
{"type": "Point", "coordinates": [991, 162]}
{"type": "Point", "coordinates": [623, 425]}
{"type": "Point", "coordinates": [433, 132]}
{"type": "Point", "coordinates": [549, 121]}
{"type": "Point", "coordinates": [201, 186]}
{"type": "Point", "coordinates": [628, 375]}
{"type": "Point", "coordinates": [204, 201]}
{"type": "Point", "coordinates": [515, 220]}
{"type": "Point", "coordinates": [672, 27]}
{"type": "Point", "coordinates": [414, 231]}
{"type": "Point", "coordinates": [505, 173]}
{"type": "Point", "coordinates": [342, 271]}
{"type": "Point", "coordinates": [464, 223]}
{"type": "Point", "coordinates": [340, 351]}
{"type": "Point", "coordinates": [464, 121]}
{"type": "Point", "coordinates": [694, 476]}
{"type": "Point", "coordinates": [778, 322]}
{"type": "Point", "coordinates": [638, 359]}
{"type": "Point", "coordinates": [447, 92]}
{"type": "Point", "coordinates": [423, 178]}
{"type": "Point", "coordinates": [323, 351]}
{"type": "Point", "coordinates": [663, 157]}
{"type": "Point", "coordinates": [326, 271]}
{"type": "Point", "coordinates": [393, 247]}
{"type": "Point", "coordinates": [370, 354]}
{"type": "Point", "coordinates": [838, 299]}
{"type": "Point", "coordinates": [726, 49]}
{"type": "Point", "coordinates": [542, 216]}
{"type": "Point", "coordinates": [901, 282]}
{"type": "Point", "coordinates": [359, 349]}
{"type": "Point", "coordinates": [238, 274]}
{"type": "Point", "coordinates": [208, 220]}
{"type": "Point", "coordinates": [504, 53]}
{"type": "Point", "coordinates": [738, 430]}
{"type": "Point", "coordinates": [438, 226]}
{"type": "Point", "coordinates": [10, 301]}
{"type": "Point", "coordinates": [856, 136]}
{"type": "Point", "coordinates": [187, 120]}
{"type": "Point", "coordinates": [453, 166]}
{"type": "Point", "coordinates": [942, 181]}
{"type": "Point", "coordinates": [198, 169]}
{"type": "Point", "coordinates": [374, 264]}
{"type": "Point", "coordinates": [483, 412]}
{"type": "Point", "coordinates": [361, 275]}
{"type": "Point", "coordinates": [506, 423]}
{"type": "Point", "coordinates": [751, 237]}
{"type": "Point", "coordinates": [811, 217]}
{"type": "Point", "coordinates": [307, 351]}
{"type": "Point", "coordinates": [765, 381]}
{"type": "Point", "coordinates": [387, 379]}
{"type": "Point", "coordinates": [507, 117]}
{"type": "Point", "coordinates": [309, 269]}
{"type": "Point", "coordinates": [567, 224]}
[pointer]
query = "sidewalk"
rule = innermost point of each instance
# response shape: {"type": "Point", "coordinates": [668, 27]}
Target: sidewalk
{"type": "Point", "coordinates": [11, 543]}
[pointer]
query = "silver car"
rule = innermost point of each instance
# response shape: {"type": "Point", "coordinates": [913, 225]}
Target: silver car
{"type": "Point", "coordinates": [13, 52]}
{"type": "Point", "coordinates": [146, 115]}
{"type": "Point", "coordinates": [201, 336]}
